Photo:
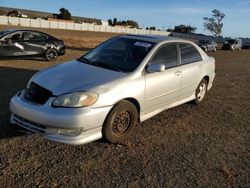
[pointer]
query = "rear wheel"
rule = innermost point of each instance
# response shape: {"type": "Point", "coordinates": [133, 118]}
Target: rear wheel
{"type": "Point", "coordinates": [51, 54]}
{"type": "Point", "coordinates": [120, 122]}
{"type": "Point", "coordinates": [201, 91]}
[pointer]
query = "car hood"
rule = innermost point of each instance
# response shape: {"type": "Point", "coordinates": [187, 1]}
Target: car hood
{"type": "Point", "coordinates": [74, 76]}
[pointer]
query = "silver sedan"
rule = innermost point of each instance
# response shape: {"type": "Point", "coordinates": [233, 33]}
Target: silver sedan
{"type": "Point", "coordinates": [105, 93]}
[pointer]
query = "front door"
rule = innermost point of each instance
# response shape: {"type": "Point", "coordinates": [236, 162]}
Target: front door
{"type": "Point", "coordinates": [12, 46]}
{"type": "Point", "coordinates": [162, 88]}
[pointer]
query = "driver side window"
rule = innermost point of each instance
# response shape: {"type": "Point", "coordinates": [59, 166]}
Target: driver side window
{"type": "Point", "coordinates": [166, 55]}
{"type": "Point", "coordinates": [16, 37]}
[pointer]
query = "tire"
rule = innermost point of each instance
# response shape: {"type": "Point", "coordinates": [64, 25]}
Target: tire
{"type": "Point", "coordinates": [120, 122]}
{"type": "Point", "coordinates": [201, 91]}
{"type": "Point", "coordinates": [51, 54]}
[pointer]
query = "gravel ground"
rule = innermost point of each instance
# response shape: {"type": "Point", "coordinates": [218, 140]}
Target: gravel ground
{"type": "Point", "coordinates": [187, 146]}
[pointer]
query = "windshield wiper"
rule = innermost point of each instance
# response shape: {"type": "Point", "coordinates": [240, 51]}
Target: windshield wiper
{"type": "Point", "coordinates": [108, 66]}
{"type": "Point", "coordinates": [99, 64]}
{"type": "Point", "coordinates": [84, 59]}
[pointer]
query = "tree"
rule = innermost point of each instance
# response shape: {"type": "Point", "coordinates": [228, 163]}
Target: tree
{"type": "Point", "coordinates": [130, 23]}
{"type": "Point", "coordinates": [115, 21]}
{"type": "Point", "coordinates": [133, 24]}
{"type": "Point", "coordinates": [64, 14]}
{"type": "Point", "coordinates": [169, 30]}
{"type": "Point", "coordinates": [214, 24]}
{"type": "Point", "coordinates": [184, 29]}
{"type": "Point", "coordinates": [13, 13]}
{"type": "Point", "coordinates": [152, 28]}
{"type": "Point", "coordinates": [110, 22]}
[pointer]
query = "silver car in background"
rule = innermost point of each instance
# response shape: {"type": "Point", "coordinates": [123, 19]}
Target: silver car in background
{"type": "Point", "coordinates": [207, 45]}
{"type": "Point", "coordinates": [106, 92]}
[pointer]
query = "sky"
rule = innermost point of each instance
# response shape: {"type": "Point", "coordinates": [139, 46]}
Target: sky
{"type": "Point", "coordinates": [160, 13]}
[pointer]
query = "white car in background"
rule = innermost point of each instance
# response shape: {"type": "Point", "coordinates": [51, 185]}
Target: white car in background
{"type": "Point", "coordinates": [232, 44]}
{"type": "Point", "coordinates": [107, 91]}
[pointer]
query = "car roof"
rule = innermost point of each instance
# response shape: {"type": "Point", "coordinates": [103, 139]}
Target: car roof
{"type": "Point", "coordinates": [16, 30]}
{"type": "Point", "coordinates": [151, 38]}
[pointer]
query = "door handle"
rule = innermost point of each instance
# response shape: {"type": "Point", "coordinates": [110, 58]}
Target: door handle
{"type": "Point", "coordinates": [200, 66]}
{"type": "Point", "coordinates": [177, 73]}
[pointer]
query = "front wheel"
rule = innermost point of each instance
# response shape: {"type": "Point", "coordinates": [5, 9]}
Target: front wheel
{"type": "Point", "coordinates": [201, 91]}
{"type": "Point", "coordinates": [51, 54]}
{"type": "Point", "coordinates": [120, 122]}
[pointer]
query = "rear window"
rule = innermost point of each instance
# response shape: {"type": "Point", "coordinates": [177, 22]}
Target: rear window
{"type": "Point", "coordinates": [189, 54]}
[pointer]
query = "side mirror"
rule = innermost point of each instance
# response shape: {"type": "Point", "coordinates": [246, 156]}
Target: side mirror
{"type": "Point", "coordinates": [155, 68]}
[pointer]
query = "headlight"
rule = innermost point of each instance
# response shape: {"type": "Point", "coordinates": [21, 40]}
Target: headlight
{"type": "Point", "coordinates": [77, 99]}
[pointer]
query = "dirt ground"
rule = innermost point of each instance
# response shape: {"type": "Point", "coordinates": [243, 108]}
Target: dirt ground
{"type": "Point", "coordinates": [187, 146]}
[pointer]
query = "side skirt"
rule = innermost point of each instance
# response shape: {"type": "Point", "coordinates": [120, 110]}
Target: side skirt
{"type": "Point", "coordinates": [151, 114]}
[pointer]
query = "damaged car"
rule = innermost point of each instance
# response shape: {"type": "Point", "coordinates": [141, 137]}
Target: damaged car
{"type": "Point", "coordinates": [16, 43]}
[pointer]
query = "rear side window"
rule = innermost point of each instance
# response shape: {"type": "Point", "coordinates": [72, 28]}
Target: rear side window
{"type": "Point", "coordinates": [189, 54]}
{"type": "Point", "coordinates": [166, 55]}
{"type": "Point", "coordinates": [35, 36]}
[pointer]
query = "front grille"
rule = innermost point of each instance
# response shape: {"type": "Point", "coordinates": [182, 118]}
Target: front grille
{"type": "Point", "coordinates": [37, 94]}
{"type": "Point", "coordinates": [29, 125]}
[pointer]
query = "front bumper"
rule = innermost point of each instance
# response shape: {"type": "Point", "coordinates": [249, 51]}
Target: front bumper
{"type": "Point", "coordinates": [46, 120]}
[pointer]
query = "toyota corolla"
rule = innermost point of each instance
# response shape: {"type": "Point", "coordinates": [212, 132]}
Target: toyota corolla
{"type": "Point", "coordinates": [106, 92]}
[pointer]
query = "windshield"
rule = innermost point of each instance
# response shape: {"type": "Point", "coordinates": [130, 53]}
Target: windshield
{"type": "Point", "coordinates": [119, 54]}
{"type": "Point", "coordinates": [5, 32]}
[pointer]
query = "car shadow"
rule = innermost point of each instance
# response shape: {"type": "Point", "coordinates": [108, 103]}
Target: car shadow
{"type": "Point", "coordinates": [23, 58]}
{"type": "Point", "coordinates": [12, 81]}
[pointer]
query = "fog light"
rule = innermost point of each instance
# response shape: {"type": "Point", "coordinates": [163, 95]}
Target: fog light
{"type": "Point", "coordinates": [69, 132]}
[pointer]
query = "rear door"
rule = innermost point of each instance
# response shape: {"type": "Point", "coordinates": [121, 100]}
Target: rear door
{"type": "Point", "coordinates": [162, 88]}
{"type": "Point", "coordinates": [35, 43]}
{"type": "Point", "coordinates": [192, 67]}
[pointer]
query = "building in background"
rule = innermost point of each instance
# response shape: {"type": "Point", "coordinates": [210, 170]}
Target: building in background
{"type": "Point", "coordinates": [16, 12]}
